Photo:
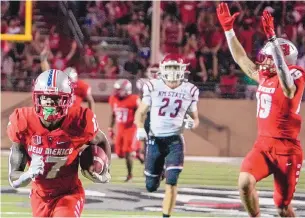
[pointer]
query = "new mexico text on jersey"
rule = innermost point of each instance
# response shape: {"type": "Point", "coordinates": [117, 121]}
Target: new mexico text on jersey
{"type": "Point", "coordinates": [169, 106]}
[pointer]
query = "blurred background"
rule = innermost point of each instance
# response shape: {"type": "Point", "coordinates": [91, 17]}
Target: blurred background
{"type": "Point", "coordinates": [114, 40]}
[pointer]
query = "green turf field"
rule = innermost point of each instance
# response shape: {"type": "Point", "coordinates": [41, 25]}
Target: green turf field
{"type": "Point", "coordinates": [194, 174]}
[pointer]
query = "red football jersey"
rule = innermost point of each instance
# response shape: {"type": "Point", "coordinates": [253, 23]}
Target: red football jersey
{"type": "Point", "coordinates": [59, 148]}
{"type": "Point", "coordinates": [80, 92]}
{"type": "Point", "coordinates": [124, 110]}
{"type": "Point", "coordinates": [277, 115]}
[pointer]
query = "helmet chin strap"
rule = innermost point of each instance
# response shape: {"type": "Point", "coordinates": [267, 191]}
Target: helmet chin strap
{"type": "Point", "coordinates": [48, 111]}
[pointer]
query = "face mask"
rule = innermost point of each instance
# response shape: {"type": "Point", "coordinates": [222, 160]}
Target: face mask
{"type": "Point", "coordinates": [48, 111]}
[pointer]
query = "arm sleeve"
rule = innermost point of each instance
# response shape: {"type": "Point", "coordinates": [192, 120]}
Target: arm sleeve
{"type": "Point", "coordinates": [146, 99]}
{"type": "Point", "coordinates": [14, 128]}
{"type": "Point", "coordinates": [195, 97]}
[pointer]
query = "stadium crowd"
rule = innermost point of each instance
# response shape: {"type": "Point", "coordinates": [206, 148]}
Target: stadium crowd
{"type": "Point", "coordinates": [190, 28]}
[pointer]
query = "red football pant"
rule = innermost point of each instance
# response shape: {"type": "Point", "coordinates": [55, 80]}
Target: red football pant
{"type": "Point", "coordinates": [68, 205]}
{"type": "Point", "coordinates": [126, 141]}
{"type": "Point", "coordinates": [274, 156]}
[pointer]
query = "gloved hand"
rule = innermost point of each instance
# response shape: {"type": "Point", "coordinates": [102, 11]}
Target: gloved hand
{"type": "Point", "coordinates": [267, 21]}
{"type": "Point", "coordinates": [224, 16]}
{"type": "Point", "coordinates": [141, 134]}
{"type": "Point", "coordinates": [104, 177]}
{"type": "Point", "coordinates": [36, 168]}
{"type": "Point", "coordinates": [189, 122]}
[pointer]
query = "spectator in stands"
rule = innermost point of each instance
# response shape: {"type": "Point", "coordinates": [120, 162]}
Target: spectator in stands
{"type": "Point", "coordinates": [58, 61]}
{"type": "Point", "coordinates": [137, 29]}
{"type": "Point", "coordinates": [111, 69]}
{"type": "Point", "coordinates": [228, 83]}
{"type": "Point", "coordinates": [171, 35]}
{"type": "Point", "coordinates": [7, 69]}
{"type": "Point", "coordinates": [246, 34]}
{"type": "Point", "coordinates": [189, 53]}
{"type": "Point", "coordinates": [133, 67]}
{"type": "Point", "coordinates": [54, 39]}
{"type": "Point", "coordinates": [14, 26]}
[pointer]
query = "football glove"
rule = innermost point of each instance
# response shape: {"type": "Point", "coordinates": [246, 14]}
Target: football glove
{"type": "Point", "coordinates": [189, 122]}
{"type": "Point", "coordinates": [36, 168]}
{"type": "Point", "coordinates": [104, 177]}
{"type": "Point", "coordinates": [224, 16]}
{"type": "Point", "coordinates": [267, 22]}
{"type": "Point", "coordinates": [141, 134]}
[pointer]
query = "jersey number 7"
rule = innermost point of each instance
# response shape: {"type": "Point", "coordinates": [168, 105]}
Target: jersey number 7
{"type": "Point", "coordinates": [173, 114]}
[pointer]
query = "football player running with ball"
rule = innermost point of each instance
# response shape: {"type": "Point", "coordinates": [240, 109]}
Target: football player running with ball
{"type": "Point", "coordinates": [169, 99]}
{"type": "Point", "coordinates": [49, 137]}
{"type": "Point", "coordinates": [277, 149]}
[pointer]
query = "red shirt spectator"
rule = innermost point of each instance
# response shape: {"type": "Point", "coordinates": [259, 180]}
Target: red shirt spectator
{"type": "Point", "coordinates": [246, 38]}
{"type": "Point", "coordinates": [171, 35]}
{"type": "Point", "coordinates": [188, 12]}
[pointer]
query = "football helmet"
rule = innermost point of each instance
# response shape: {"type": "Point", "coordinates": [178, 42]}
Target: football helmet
{"type": "Point", "coordinates": [265, 60]}
{"type": "Point", "coordinates": [122, 88]}
{"type": "Point", "coordinates": [71, 72]}
{"type": "Point", "coordinates": [173, 68]}
{"type": "Point", "coordinates": [57, 86]}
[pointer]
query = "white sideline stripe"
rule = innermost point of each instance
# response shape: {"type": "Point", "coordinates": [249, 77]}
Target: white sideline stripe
{"type": "Point", "coordinates": [187, 158]}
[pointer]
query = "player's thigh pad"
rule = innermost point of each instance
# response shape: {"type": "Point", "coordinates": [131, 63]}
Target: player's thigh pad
{"type": "Point", "coordinates": [70, 205]}
{"type": "Point", "coordinates": [257, 164]}
{"type": "Point", "coordinates": [174, 159]}
{"type": "Point", "coordinates": [286, 176]}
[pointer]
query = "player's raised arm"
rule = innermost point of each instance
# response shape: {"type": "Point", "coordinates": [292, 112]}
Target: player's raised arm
{"type": "Point", "coordinates": [17, 161]}
{"type": "Point", "coordinates": [44, 64]}
{"type": "Point", "coordinates": [238, 52]}
{"type": "Point", "coordinates": [285, 77]}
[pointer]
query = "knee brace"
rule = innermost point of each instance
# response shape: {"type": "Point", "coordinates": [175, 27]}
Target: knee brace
{"type": "Point", "coordinates": [172, 176]}
{"type": "Point", "coordinates": [152, 183]}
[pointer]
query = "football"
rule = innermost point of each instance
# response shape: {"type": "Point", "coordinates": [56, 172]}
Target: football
{"type": "Point", "coordinates": [93, 157]}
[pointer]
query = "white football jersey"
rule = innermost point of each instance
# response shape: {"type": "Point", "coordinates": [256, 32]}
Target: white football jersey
{"type": "Point", "coordinates": [169, 106]}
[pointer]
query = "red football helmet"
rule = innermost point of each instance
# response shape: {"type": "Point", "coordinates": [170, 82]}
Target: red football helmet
{"type": "Point", "coordinates": [122, 88]}
{"type": "Point", "coordinates": [173, 68]}
{"type": "Point", "coordinates": [57, 86]}
{"type": "Point", "coordinates": [265, 60]}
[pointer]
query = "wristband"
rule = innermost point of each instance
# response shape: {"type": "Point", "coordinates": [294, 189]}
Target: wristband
{"type": "Point", "coordinates": [230, 34]}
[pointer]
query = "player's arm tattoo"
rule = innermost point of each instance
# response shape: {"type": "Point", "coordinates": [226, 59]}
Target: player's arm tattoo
{"type": "Point", "coordinates": [17, 161]}
{"type": "Point", "coordinates": [101, 140]}
{"type": "Point", "coordinates": [240, 57]}
{"type": "Point", "coordinates": [285, 78]}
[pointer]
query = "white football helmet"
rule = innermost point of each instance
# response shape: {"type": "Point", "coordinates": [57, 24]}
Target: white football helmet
{"type": "Point", "coordinates": [56, 85]}
{"type": "Point", "coordinates": [289, 50]}
{"type": "Point", "coordinates": [71, 73]}
{"type": "Point", "coordinates": [122, 88]}
{"type": "Point", "coordinates": [173, 68]}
